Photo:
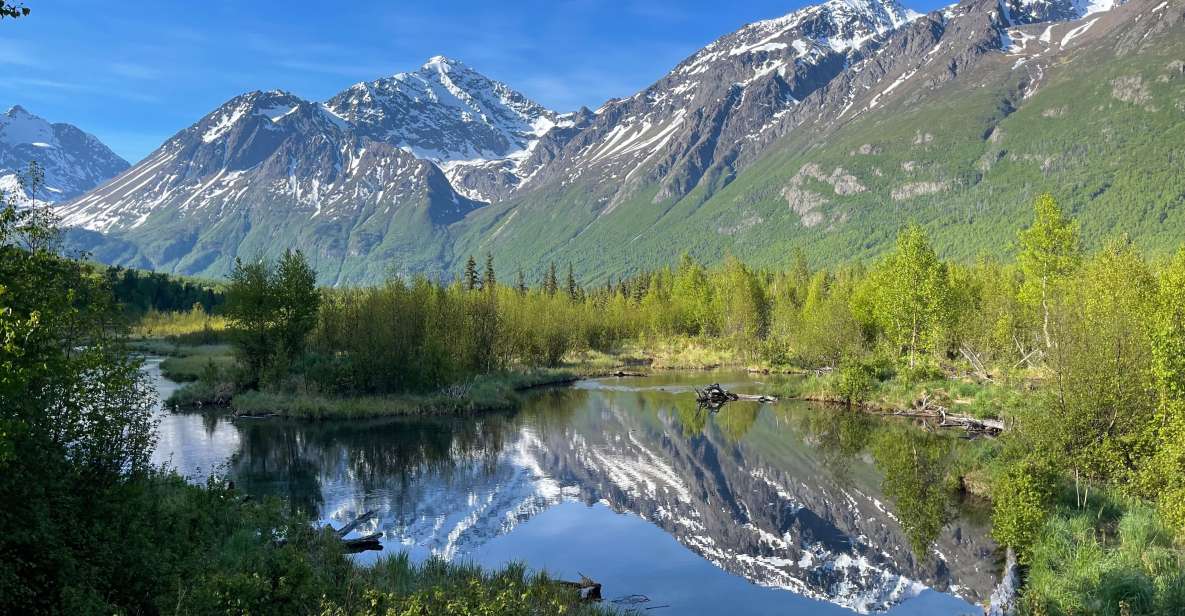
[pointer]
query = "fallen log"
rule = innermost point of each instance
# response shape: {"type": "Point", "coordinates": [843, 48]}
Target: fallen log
{"type": "Point", "coordinates": [623, 373]}
{"type": "Point", "coordinates": [363, 544]}
{"type": "Point", "coordinates": [588, 589]}
{"type": "Point", "coordinates": [715, 396]}
{"type": "Point", "coordinates": [358, 521]}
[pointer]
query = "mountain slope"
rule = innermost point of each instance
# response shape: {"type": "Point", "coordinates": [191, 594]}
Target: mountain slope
{"type": "Point", "coordinates": [73, 161]}
{"type": "Point", "coordinates": [955, 120]}
{"type": "Point", "coordinates": [355, 182]}
{"type": "Point", "coordinates": [825, 129]}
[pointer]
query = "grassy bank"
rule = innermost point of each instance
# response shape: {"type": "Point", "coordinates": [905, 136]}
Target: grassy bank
{"type": "Point", "coordinates": [484, 393]}
{"type": "Point", "coordinates": [960, 395]}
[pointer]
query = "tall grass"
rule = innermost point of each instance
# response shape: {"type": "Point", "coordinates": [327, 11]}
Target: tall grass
{"type": "Point", "coordinates": [489, 392]}
{"type": "Point", "coordinates": [194, 326]}
{"type": "Point", "coordinates": [1084, 563]}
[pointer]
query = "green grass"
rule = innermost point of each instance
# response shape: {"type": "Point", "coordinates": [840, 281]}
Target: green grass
{"type": "Point", "coordinates": [1096, 561]}
{"type": "Point", "coordinates": [961, 396]}
{"type": "Point", "coordinates": [195, 363]}
{"type": "Point", "coordinates": [484, 393]}
{"type": "Point", "coordinates": [439, 587]}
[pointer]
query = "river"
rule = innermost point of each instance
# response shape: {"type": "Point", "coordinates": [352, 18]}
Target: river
{"type": "Point", "coordinates": [755, 509]}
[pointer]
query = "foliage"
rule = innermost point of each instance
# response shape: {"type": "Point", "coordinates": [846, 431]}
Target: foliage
{"type": "Point", "coordinates": [12, 9]}
{"type": "Point", "coordinates": [271, 308]}
{"type": "Point", "coordinates": [1022, 498]}
{"type": "Point", "coordinates": [855, 382]}
{"type": "Point", "coordinates": [1049, 251]}
{"type": "Point", "coordinates": [1079, 569]}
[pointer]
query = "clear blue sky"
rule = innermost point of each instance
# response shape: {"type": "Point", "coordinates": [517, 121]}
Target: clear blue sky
{"type": "Point", "coordinates": [135, 72]}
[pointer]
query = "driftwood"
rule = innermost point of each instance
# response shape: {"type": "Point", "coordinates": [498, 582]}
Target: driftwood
{"type": "Point", "coordinates": [363, 543]}
{"type": "Point", "coordinates": [589, 590]}
{"type": "Point", "coordinates": [358, 521]}
{"type": "Point", "coordinates": [714, 396]}
{"type": "Point", "coordinates": [623, 373]}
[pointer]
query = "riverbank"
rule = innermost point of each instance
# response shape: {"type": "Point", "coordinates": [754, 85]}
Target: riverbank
{"type": "Point", "coordinates": [485, 393]}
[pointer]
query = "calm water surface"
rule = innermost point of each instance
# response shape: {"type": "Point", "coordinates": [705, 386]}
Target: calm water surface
{"type": "Point", "coordinates": [751, 510]}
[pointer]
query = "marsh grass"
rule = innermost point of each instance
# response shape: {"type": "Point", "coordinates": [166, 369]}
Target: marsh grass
{"type": "Point", "coordinates": [396, 585]}
{"type": "Point", "coordinates": [1118, 560]}
{"type": "Point", "coordinates": [192, 326]}
{"type": "Point", "coordinates": [493, 392]}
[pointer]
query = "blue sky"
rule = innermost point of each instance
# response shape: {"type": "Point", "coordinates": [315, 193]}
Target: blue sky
{"type": "Point", "coordinates": [135, 72]}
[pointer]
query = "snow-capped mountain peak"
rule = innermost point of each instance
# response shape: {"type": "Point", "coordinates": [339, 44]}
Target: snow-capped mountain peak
{"type": "Point", "coordinates": [445, 112]}
{"type": "Point", "coordinates": [73, 161]}
{"type": "Point", "coordinates": [1019, 12]}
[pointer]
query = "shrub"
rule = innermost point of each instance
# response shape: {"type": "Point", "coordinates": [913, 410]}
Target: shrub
{"type": "Point", "coordinates": [1022, 498]}
{"type": "Point", "coordinates": [855, 382]}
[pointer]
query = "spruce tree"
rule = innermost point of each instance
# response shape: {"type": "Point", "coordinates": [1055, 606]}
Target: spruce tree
{"type": "Point", "coordinates": [573, 290]}
{"type": "Point", "coordinates": [490, 279]}
{"type": "Point", "coordinates": [520, 285]}
{"type": "Point", "coordinates": [550, 282]}
{"type": "Point", "coordinates": [470, 279]}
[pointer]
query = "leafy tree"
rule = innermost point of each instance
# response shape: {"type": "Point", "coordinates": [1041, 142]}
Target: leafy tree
{"type": "Point", "coordinates": [1049, 251]}
{"type": "Point", "coordinates": [743, 306]}
{"type": "Point", "coordinates": [251, 307]}
{"type": "Point", "coordinates": [297, 302]}
{"type": "Point", "coordinates": [1162, 476]}
{"type": "Point", "coordinates": [908, 296]}
{"type": "Point", "coordinates": [12, 9]}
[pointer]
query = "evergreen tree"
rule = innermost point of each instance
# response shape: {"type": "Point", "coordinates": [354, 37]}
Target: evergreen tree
{"type": "Point", "coordinates": [470, 279]}
{"type": "Point", "coordinates": [490, 281]}
{"type": "Point", "coordinates": [520, 284]}
{"type": "Point", "coordinates": [573, 290]}
{"type": "Point", "coordinates": [550, 283]}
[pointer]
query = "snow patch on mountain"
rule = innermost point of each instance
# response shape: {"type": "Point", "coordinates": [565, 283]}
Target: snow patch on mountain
{"type": "Point", "coordinates": [73, 161]}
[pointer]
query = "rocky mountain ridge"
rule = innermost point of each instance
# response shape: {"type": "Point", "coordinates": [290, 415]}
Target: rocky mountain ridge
{"type": "Point", "coordinates": [73, 161]}
{"type": "Point", "coordinates": [731, 141]}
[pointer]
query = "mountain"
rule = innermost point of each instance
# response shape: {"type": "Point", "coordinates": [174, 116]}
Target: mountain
{"type": "Point", "coordinates": [73, 161]}
{"type": "Point", "coordinates": [825, 129]}
{"type": "Point", "coordinates": [358, 182]}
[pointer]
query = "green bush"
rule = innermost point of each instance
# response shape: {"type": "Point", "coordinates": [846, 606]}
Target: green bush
{"type": "Point", "coordinates": [855, 382]}
{"type": "Point", "coordinates": [1022, 498]}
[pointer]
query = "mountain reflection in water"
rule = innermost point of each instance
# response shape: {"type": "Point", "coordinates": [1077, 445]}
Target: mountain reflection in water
{"type": "Point", "coordinates": [628, 482]}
